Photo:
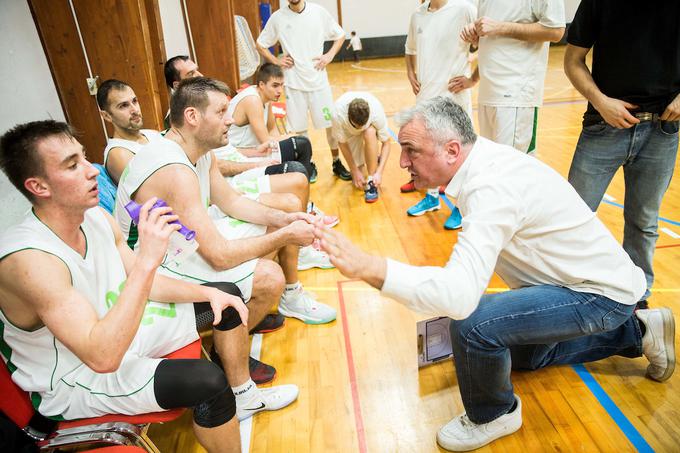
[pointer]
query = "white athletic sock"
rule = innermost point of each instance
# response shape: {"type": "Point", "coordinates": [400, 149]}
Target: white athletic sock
{"type": "Point", "coordinates": [244, 391]}
{"type": "Point", "coordinates": [290, 287]}
{"type": "Point", "coordinates": [336, 158]}
{"type": "Point", "coordinates": [433, 192]}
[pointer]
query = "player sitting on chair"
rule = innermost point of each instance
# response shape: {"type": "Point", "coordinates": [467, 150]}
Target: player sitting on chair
{"type": "Point", "coordinates": [85, 337]}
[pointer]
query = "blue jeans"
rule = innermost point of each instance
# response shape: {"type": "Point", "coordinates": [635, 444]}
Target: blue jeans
{"type": "Point", "coordinates": [530, 328]}
{"type": "Point", "coordinates": [647, 153]}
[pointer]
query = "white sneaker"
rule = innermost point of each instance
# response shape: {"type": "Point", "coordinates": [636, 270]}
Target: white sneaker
{"type": "Point", "coordinates": [658, 343]}
{"type": "Point", "coordinates": [302, 305]}
{"type": "Point", "coordinates": [310, 257]}
{"type": "Point", "coordinates": [461, 434]}
{"type": "Point", "coordinates": [265, 399]}
{"type": "Point", "coordinates": [328, 220]}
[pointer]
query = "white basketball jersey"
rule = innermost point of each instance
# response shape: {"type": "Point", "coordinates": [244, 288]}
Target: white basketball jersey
{"type": "Point", "coordinates": [243, 136]}
{"type": "Point", "coordinates": [41, 364]}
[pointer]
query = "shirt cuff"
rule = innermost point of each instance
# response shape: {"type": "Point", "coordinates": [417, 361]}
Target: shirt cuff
{"type": "Point", "coordinates": [399, 279]}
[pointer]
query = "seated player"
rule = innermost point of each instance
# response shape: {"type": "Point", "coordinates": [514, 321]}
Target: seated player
{"type": "Point", "coordinates": [89, 339]}
{"type": "Point", "coordinates": [118, 105]}
{"type": "Point", "coordinates": [234, 233]}
{"type": "Point", "coordinates": [359, 123]}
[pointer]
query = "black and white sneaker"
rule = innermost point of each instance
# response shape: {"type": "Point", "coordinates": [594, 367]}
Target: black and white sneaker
{"type": "Point", "coordinates": [340, 171]}
{"type": "Point", "coordinates": [265, 399]}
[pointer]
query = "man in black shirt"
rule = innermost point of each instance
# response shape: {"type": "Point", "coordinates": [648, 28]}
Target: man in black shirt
{"type": "Point", "coordinates": [633, 110]}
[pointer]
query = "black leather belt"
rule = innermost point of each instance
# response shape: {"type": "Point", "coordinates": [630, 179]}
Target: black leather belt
{"type": "Point", "coordinates": [646, 116]}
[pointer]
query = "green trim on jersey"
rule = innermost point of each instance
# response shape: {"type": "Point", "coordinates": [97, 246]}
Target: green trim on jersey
{"type": "Point", "coordinates": [133, 237]}
{"type": "Point", "coordinates": [115, 396]}
{"type": "Point", "coordinates": [44, 251]}
{"type": "Point", "coordinates": [6, 350]}
{"type": "Point", "coordinates": [48, 227]}
{"type": "Point", "coordinates": [200, 279]}
{"type": "Point", "coordinates": [56, 361]}
{"type": "Point", "coordinates": [36, 400]}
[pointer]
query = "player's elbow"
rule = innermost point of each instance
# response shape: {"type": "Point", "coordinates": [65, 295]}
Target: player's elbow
{"type": "Point", "coordinates": [104, 363]}
{"type": "Point", "coordinates": [556, 34]}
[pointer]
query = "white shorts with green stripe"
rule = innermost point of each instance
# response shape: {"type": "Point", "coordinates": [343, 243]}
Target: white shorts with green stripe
{"type": "Point", "coordinates": [197, 270]}
{"type": "Point", "coordinates": [83, 393]}
{"type": "Point", "coordinates": [251, 183]}
{"type": "Point", "coordinates": [513, 126]}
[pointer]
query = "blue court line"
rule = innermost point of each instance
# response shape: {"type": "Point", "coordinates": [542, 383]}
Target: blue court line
{"type": "Point", "coordinates": [447, 201]}
{"type": "Point", "coordinates": [392, 134]}
{"type": "Point", "coordinates": [619, 205]}
{"type": "Point", "coordinates": [612, 409]}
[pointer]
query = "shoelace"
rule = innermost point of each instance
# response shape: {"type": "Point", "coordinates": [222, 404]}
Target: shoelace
{"type": "Point", "coordinates": [308, 298]}
{"type": "Point", "coordinates": [466, 422]}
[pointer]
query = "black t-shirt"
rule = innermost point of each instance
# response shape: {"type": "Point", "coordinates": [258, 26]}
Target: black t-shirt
{"type": "Point", "coordinates": [636, 49]}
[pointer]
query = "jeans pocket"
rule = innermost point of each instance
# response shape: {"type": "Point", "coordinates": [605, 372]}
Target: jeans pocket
{"type": "Point", "coordinates": [669, 127]}
{"type": "Point", "coordinates": [596, 129]}
{"type": "Point", "coordinates": [616, 316]}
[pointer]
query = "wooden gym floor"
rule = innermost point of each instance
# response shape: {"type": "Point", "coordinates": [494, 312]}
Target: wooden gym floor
{"type": "Point", "coordinates": [360, 388]}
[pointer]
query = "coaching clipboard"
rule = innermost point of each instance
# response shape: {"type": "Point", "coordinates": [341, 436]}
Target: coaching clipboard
{"type": "Point", "coordinates": [434, 340]}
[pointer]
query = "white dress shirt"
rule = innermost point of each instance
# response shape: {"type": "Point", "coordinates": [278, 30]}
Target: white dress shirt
{"type": "Point", "coordinates": [524, 221]}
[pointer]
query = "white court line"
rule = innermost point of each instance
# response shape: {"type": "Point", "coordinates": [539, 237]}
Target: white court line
{"type": "Point", "coordinates": [400, 71]}
{"type": "Point", "coordinates": [671, 233]}
{"type": "Point", "coordinates": [246, 426]}
{"type": "Point", "coordinates": [608, 197]}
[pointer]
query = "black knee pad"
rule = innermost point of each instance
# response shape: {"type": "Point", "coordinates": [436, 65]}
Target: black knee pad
{"type": "Point", "coordinates": [230, 317]}
{"type": "Point", "coordinates": [296, 167]}
{"type": "Point", "coordinates": [216, 411]}
{"type": "Point", "coordinates": [299, 149]}
{"type": "Point", "coordinates": [286, 167]}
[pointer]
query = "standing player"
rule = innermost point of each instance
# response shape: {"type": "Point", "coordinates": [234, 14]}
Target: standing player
{"type": "Point", "coordinates": [437, 64]}
{"type": "Point", "coordinates": [513, 41]}
{"type": "Point", "coordinates": [302, 28]}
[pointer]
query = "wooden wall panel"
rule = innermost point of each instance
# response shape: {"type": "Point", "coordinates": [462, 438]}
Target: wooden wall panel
{"type": "Point", "coordinates": [212, 31]}
{"type": "Point", "coordinates": [250, 9]}
{"type": "Point", "coordinates": [117, 40]}
{"type": "Point", "coordinates": [59, 36]}
{"type": "Point", "coordinates": [153, 19]}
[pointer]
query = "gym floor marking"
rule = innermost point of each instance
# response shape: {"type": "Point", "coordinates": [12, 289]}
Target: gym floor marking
{"type": "Point", "coordinates": [621, 421]}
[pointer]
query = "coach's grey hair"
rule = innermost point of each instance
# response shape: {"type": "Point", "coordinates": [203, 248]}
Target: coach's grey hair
{"type": "Point", "coordinates": [444, 120]}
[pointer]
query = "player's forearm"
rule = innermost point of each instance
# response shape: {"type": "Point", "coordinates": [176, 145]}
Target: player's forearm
{"type": "Point", "coordinates": [250, 211]}
{"type": "Point", "coordinates": [347, 154]}
{"type": "Point", "coordinates": [530, 32]}
{"type": "Point", "coordinates": [411, 65]}
{"type": "Point", "coordinates": [267, 55]}
{"type": "Point", "coordinates": [166, 289]}
{"type": "Point", "coordinates": [335, 48]}
{"type": "Point", "coordinates": [234, 252]}
{"type": "Point", "coordinates": [230, 168]}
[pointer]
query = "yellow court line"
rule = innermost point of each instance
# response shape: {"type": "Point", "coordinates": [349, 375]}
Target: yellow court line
{"type": "Point", "coordinates": [488, 290]}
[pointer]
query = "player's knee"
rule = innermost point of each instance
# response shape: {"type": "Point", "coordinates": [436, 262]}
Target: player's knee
{"type": "Point", "coordinates": [297, 170]}
{"type": "Point", "coordinates": [268, 281]}
{"type": "Point", "coordinates": [230, 317]}
{"type": "Point", "coordinates": [289, 202]}
{"type": "Point", "coordinates": [220, 406]}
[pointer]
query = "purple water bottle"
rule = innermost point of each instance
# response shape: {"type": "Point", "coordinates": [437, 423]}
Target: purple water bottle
{"type": "Point", "coordinates": [133, 209]}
